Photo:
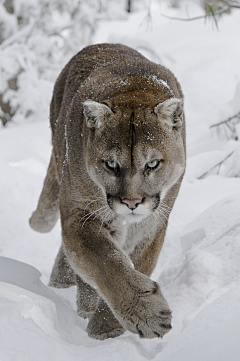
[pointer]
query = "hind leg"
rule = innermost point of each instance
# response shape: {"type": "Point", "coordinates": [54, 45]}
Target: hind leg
{"type": "Point", "coordinates": [62, 275]}
{"type": "Point", "coordinates": [103, 324]}
{"type": "Point", "coordinates": [47, 212]}
{"type": "Point", "coordinates": [87, 299]}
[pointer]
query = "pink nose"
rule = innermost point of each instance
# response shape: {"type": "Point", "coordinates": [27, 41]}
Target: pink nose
{"type": "Point", "coordinates": [132, 204]}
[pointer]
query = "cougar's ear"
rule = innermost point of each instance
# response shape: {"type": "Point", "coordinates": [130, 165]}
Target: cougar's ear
{"type": "Point", "coordinates": [171, 112]}
{"type": "Point", "coordinates": [95, 113]}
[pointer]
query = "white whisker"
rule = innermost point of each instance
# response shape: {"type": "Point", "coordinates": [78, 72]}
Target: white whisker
{"type": "Point", "coordinates": [159, 216]}
{"type": "Point", "coordinates": [107, 214]}
{"type": "Point", "coordinates": [105, 210]}
{"type": "Point", "coordinates": [95, 200]}
{"type": "Point", "coordinates": [88, 215]}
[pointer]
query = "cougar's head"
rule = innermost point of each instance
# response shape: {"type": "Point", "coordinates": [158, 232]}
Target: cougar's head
{"type": "Point", "coordinates": [135, 155]}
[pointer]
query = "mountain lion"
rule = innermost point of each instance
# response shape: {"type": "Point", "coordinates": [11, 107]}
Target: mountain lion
{"type": "Point", "coordinates": [118, 159]}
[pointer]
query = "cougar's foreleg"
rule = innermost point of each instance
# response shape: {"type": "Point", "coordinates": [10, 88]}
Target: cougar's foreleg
{"type": "Point", "coordinates": [47, 212]}
{"type": "Point", "coordinates": [134, 301]}
{"type": "Point", "coordinates": [146, 254]}
{"type": "Point", "coordinates": [103, 324]}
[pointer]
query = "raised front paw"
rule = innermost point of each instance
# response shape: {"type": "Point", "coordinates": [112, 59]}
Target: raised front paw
{"type": "Point", "coordinates": [148, 313]}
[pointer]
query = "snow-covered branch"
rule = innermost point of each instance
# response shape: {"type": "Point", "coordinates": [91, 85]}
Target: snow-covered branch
{"type": "Point", "coordinates": [37, 38]}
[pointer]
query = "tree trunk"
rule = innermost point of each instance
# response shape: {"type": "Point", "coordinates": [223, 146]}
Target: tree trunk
{"type": "Point", "coordinates": [128, 6]}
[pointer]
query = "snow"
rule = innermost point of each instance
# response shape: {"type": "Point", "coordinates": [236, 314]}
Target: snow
{"type": "Point", "coordinates": [160, 82]}
{"type": "Point", "coordinates": [198, 268]}
{"type": "Point", "coordinates": [212, 335]}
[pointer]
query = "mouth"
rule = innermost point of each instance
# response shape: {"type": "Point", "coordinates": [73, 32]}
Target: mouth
{"type": "Point", "coordinates": [141, 211]}
{"type": "Point", "coordinates": [134, 217]}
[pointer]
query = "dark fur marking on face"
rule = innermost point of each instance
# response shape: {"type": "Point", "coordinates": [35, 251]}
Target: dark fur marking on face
{"type": "Point", "coordinates": [132, 132]}
{"type": "Point", "coordinates": [155, 288]}
{"type": "Point", "coordinates": [157, 200]}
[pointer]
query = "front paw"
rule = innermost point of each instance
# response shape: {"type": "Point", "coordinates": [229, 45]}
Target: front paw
{"type": "Point", "coordinates": [148, 313]}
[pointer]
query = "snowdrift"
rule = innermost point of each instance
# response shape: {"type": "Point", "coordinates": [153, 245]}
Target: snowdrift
{"type": "Point", "coordinates": [203, 290]}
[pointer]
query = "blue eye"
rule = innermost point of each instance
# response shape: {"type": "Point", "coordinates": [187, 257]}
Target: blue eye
{"type": "Point", "coordinates": [152, 165]}
{"type": "Point", "coordinates": [112, 165]}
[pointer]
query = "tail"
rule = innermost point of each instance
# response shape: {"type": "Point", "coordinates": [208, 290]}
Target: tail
{"type": "Point", "coordinates": [47, 213]}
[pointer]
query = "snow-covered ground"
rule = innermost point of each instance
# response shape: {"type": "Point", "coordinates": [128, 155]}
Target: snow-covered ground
{"type": "Point", "coordinates": [199, 267]}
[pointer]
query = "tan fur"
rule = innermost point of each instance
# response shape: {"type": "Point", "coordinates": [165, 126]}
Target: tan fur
{"type": "Point", "coordinates": [114, 117]}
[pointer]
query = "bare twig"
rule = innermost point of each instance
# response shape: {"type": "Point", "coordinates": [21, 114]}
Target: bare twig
{"type": "Point", "coordinates": [228, 127]}
{"type": "Point", "coordinates": [227, 121]}
{"type": "Point", "coordinates": [215, 166]}
{"type": "Point", "coordinates": [231, 4]}
{"type": "Point", "coordinates": [148, 18]}
{"type": "Point", "coordinates": [209, 14]}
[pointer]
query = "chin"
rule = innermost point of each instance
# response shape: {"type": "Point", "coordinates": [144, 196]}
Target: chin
{"type": "Point", "coordinates": [135, 218]}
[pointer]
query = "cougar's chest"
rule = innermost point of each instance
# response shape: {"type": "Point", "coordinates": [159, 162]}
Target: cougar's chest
{"type": "Point", "coordinates": [129, 236]}
{"type": "Point", "coordinates": [119, 230]}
